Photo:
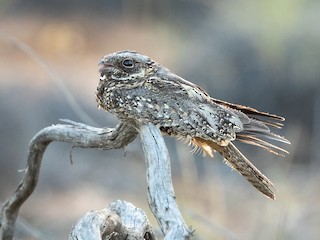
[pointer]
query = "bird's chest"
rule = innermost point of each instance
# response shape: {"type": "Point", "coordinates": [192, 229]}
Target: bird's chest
{"type": "Point", "coordinates": [126, 101]}
{"type": "Point", "coordinates": [146, 104]}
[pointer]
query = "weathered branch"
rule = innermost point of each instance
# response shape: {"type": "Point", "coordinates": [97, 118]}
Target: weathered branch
{"type": "Point", "coordinates": [161, 196]}
{"type": "Point", "coordinates": [120, 220]}
{"type": "Point", "coordinates": [160, 190]}
{"type": "Point", "coordinates": [78, 134]}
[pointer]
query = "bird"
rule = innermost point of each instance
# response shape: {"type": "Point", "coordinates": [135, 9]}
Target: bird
{"type": "Point", "coordinates": [140, 91]}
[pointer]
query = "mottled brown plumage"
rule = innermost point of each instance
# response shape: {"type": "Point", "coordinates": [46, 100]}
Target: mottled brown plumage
{"type": "Point", "coordinates": [140, 91]}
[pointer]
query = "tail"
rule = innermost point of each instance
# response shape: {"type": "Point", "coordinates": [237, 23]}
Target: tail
{"type": "Point", "coordinates": [256, 125]}
{"type": "Point", "coordinates": [236, 160]}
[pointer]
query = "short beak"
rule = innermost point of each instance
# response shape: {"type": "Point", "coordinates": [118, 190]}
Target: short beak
{"type": "Point", "coordinates": [102, 62]}
{"type": "Point", "coordinates": [104, 65]}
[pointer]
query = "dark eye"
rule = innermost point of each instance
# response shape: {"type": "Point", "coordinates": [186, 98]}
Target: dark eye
{"type": "Point", "coordinates": [128, 63]}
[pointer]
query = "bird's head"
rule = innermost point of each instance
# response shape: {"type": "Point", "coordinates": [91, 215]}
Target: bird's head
{"type": "Point", "coordinates": [124, 65]}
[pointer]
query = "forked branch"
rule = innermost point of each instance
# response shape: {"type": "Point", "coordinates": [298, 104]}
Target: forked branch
{"type": "Point", "coordinates": [160, 190]}
{"type": "Point", "coordinates": [79, 135]}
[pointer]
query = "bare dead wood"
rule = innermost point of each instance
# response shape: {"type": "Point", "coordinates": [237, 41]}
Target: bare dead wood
{"type": "Point", "coordinates": [161, 196]}
{"type": "Point", "coordinates": [119, 221]}
{"type": "Point", "coordinates": [78, 134]}
{"type": "Point", "coordinates": [160, 190]}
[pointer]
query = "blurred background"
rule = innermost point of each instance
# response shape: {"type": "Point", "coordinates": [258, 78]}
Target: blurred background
{"type": "Point", "coordinates": [262, 54]}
